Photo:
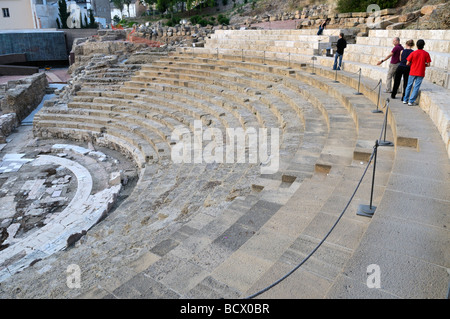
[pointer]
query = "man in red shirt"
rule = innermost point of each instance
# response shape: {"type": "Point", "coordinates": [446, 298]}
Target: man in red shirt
{"type": "Point", "coordinates": [418, 61]}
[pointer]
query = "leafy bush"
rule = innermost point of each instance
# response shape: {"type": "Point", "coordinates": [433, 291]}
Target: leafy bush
{"type": "Point", "coordinates": [223, 19]}
{"type": "Point", "coordinates": [195, 19]}
{"type": "Point", "coordinates": [173, 21]}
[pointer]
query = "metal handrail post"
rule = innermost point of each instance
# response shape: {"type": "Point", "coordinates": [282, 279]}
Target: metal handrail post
{"type": "Point", "coordinates": [369, 210]}
{"type": "Point", "coordinates": [378, 98]}
{"type": "Point", "coordinates": [359, 83]}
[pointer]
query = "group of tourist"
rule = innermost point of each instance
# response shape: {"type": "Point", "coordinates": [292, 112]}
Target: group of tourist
{"type": "Point", "coordinates": [405, 63]}
{"type": "Point", "coordinates": [408, 64]}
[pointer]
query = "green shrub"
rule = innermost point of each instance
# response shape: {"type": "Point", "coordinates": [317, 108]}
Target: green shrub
{"type": "Point", "coordinates": [173, 21]}
{"type": "Point", "coordinates": [195, 19]}
{"type": "Point", "coordinates": [223, 19]}
{"type": "Point", "coordinates": [361, 6]}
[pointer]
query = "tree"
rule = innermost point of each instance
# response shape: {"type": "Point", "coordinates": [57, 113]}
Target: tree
{"type": "Point", "coordinates": [81, 22]}
{"type": "Point", "coordinates": [119, 4]}
{"type": "Point", "coordinates": [127, 2]}
{"type": "Point", "coordinates": [361, 6]}
{"type": "Point", "coordinates": [63, 14]}
{"type": "Point", "coordinates": [86, 22]}
{"type": "Point", "coordinates": [92, 23]}
{"type": "Point", "coordinates": [163, 5]}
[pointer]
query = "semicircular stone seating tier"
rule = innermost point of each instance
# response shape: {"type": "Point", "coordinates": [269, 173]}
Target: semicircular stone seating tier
{"type": "Point", "coordinates": [81, 214]}
{"type": "Point", "coordinates": [213, 230]}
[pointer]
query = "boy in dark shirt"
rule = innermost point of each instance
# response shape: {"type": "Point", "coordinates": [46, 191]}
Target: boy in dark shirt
{"type": "Point", "coordinates": [402, 69]}
{"type": "Point", "coordinates": [341, 45]}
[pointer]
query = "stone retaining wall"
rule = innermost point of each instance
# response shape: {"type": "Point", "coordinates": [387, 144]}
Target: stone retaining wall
{"type": "Point", "coordinates": [23, 96]}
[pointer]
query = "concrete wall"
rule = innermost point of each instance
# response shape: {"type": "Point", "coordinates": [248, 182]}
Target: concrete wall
{"type": "Point", "coordinates": [38, 45]}
{"type": "Point", "coordinates": [72, 34]}
{"type": "Point", "coordinates": [47, 15]}
{"type": "Point", "coordinates": [102, 9]}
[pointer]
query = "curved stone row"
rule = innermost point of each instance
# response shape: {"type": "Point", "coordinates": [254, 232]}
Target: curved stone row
{"type": "Point", "coordinates": [163, 190]}
{"type": "Point", "coordinates": [81, 214]}
{"type": "Point", "coordinates": [224, 229]}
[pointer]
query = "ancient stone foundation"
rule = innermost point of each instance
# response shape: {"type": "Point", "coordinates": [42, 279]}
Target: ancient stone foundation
{"type": "Point", "coordinates": [22, 96]}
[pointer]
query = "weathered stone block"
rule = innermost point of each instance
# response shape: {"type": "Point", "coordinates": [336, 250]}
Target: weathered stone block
{"type": "Point", "coordinates": [23, 98]}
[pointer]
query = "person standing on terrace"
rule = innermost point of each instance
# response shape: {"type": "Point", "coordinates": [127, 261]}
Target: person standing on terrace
{"type": "Point", "coordinates": [394, 55]}
{"type": "Point", "coordinates": [418, 60]}
{"type": "Point", "coordinates": [341, 45]}
{"type": "Point", "coordinates": [322, 26]}
{"type": "Point", "coordinates": [402, 69]}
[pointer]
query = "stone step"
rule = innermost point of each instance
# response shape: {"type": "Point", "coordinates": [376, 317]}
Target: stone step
{"type": "Point", "coordinates": [433, 97]}
{"type": "Point", "coordinates": [232, 102]}
{"type": "Point", "coordinates": [438, 59]}
{"type": "Point", "coordinates": [163, 130]}
{"type": "Point", "coordinates": [140, 106]}
{"type": "Point", "coordinates": [267, 68]}
{"type": "Point", "coordinates": [109, 74]}
{"type": "Point", "coordinates": [411, 34]}
{"type": "Point", "coordinates": [50, 130]}
{"type": "Point", "coordinates": [437, 111]}
{"type": "Point", "coordinates": [136, 136]}
{"type": "Point", "coordinates": [361, 145]}
{"type": "Point", "coordinates": [241, 101]}
{"type": "Point", "coordinates": [292, 47]}
{"type": "Point", "coordinates": [289, 113]}
{"type": "Point", "coordinates": [106, 86]}
{"type": "Point", "coordinates": [290, 137]}
{"type": "Point", "coordinates": [202, 107]}
{"type": "Point", "coordinates": [125, 103]}
{"type": "Point", "coordinates": [305, 35]}
{"type": "Point", "coordinates": [225, 263]}
{"type": "Point", "coordinates": [431, 45]}
{"type": "Point", "coordinates": [103, 80]}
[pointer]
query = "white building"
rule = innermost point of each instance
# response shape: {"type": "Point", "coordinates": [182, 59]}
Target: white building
{"type": "Point", "coordinates": [42, 14]}
{"type": "Point", "coordinates": [125, 13]}
{"type": "Point", "coordinates": [17, 14]}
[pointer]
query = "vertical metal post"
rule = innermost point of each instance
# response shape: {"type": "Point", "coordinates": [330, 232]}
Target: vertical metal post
{"type": "Point", "coordinates": [359, 83]}
{"type": "Point", "coordinates": [384, 142]}
{"type": "Point", "coordinates": [369, 210]}
{"type": "Point", "coordinates": [335, 76]}
{"type": "Point", "coordinates": [378, 99]}
{"type": "Point", "coordinates": [313, 58]}
{"type": "Point", "coordinates": [217, 53]}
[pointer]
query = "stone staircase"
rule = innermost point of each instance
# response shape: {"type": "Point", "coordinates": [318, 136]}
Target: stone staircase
{"type": "Point", "coordinates": [363, 56]}
{"type": "Point", "coordinates": [226, 230]}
